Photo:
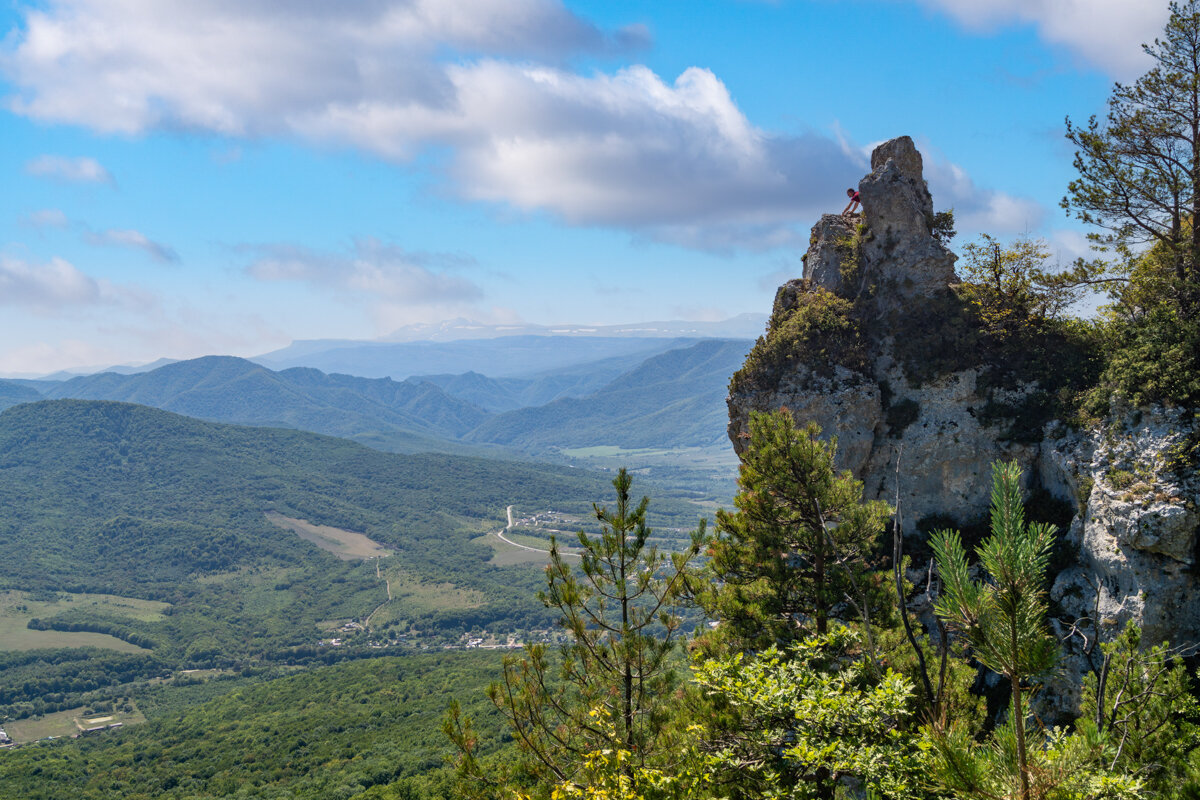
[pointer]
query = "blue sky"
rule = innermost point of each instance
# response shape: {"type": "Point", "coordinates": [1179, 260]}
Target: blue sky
{"type": "Point", "coordinates": [185, 177]}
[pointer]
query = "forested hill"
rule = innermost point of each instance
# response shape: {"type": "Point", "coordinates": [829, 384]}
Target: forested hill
{"type": "Point", "coordinates": [400, 416]}
{"type": "Point", "coordinates": [116, 497]}
{"type": "Point", "coordinates": [670, 400]}
{"type": "Point", "coordinates": [131, 522]}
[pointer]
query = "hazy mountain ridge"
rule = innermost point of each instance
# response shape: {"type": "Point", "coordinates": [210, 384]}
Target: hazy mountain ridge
{"type": "Point", "coordinates": [408, 416]}
{"type": "Point", "coordinates": [673, 398]}
{"type": "Point", "coordinates": [743, 326]}
{"type": "Point", "coordinates": [508, 394]}
{"type": "Point", "coordinates": [13, 392]}
{"type": "Point", "coordinates": [505, 357]}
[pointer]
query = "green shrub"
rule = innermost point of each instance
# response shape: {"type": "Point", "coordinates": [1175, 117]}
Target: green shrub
{"type": "Point", "coordinates": [818, 331]}
{"type": "Point", "coordinates": [1153, 358]}
{"type": "Point", "coordinates": [1120, 478]}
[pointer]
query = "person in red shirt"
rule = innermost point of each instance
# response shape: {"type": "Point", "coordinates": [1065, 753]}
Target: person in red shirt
{"type": "Point", "coordinates": [851, 207]}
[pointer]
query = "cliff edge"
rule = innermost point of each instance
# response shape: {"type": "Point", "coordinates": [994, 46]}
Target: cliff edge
{"type": "Point", "coordinates": [879, 345]}
{"type": "Point", "coordinates": [855, 345]}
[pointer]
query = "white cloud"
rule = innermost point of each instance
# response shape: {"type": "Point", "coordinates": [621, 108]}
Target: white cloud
{"type": "Point", "coordinates": [675, 161]}
{"type": "Point", "coordinates": [46, 218]}
{"type": "Point", "coordinates": [378, 270]}
{"type": "Point", "coordinates": [979, 210]}
{"type": "Point", "coordinates": [1105, 33]}
{"type": "Point", "coordinates": [56, 284]}
{"type": "Point", "coordinates": [135, 240]}
{"type": "Point", "coordinates": [249, 67]}
{"type": "Point", "coordinates": [113, 237]}
{"type": "Point", "coordinates": [75, 170]}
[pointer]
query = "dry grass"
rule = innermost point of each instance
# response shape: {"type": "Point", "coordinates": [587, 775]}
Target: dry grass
{"type": "Point", "coordinates": [346, 545]}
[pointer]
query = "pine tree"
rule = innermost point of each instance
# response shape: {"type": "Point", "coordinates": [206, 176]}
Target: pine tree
{"type": "Point", "coordinates": [1139, 170]}
{"type": "Point", "coordinates": [797, 547]}
{"type": "Point", "coordinates": [1004, 617]}
{"type": "Point", "coordinates": [610, 687]}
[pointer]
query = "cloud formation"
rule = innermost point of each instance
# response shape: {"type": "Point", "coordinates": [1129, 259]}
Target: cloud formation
{"type": "Point", "coordinates": [74, 170]}
{"type": "Point", "coordinates": [113, 237]}
{"type": "Point", "coordinates": [669, 160]}
{"type": "Point", "coordinates": [249, 67]}
{"type": "Point", "coordinates": [51, 286]}
{"type": "Point", "coordinates": [133, 239]}
{"type": "Point", "coordinates": [381, 271]}
{"type": "Point", "coordinates": [978, 210]}
{"type": "Point", "coordinates": [1105, 33]}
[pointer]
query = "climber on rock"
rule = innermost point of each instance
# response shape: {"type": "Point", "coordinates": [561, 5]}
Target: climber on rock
{"type": "Point", "coordinates": [852, 207]}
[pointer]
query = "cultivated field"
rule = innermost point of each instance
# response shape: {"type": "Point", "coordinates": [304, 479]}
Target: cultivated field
{"type": "Point", "coordinates": [17, 608]}
{"type": "Point", "coordinates": [69, 723]}
{"type": "Point", "coordinates": [346, 545]}
{"type": "Point", "coordinates": [411, 595]}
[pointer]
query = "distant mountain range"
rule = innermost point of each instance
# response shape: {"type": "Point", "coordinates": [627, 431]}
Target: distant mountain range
{"type": "Point", "coordinates": [502, 357]}
{"type": "Point", "coordinates": [624, 392]}
{"type": "Point", "coordinates": [743, 326]}
{"type": "Point", "coordinates": [379, 358]}
{"type": "Point", "coordinates": [673, 399]}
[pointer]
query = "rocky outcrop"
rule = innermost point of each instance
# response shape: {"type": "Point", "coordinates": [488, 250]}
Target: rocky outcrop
{"type": "Point", "coordinates": [920, 417]}
{"type": "Point", "coordinates": [901, 251]}
{"type": "Point", "coordinates": [926, 439]}
{"type": "Point", "coordinates": [1135, 537]}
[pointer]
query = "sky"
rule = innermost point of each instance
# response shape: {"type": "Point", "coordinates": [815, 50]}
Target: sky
{"type": "Point", "coordinates": [189, 177]}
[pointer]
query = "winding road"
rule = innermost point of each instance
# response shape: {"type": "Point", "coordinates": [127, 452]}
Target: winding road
{"type": "Point", "coordinates": [500, 534]}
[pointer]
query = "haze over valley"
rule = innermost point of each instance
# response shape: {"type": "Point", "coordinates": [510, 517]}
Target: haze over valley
{"type": "Point", "coordinates": [591, 400]}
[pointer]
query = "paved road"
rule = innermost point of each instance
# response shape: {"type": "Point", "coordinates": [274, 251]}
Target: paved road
{"type": "Point", "coordinates": [500, 534]}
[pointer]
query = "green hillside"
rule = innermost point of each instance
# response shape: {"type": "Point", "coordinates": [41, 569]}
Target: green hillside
{"type": "Point", "coordinates": [675, 399]}
{"type": "Point", "coordinates": [12, 393]}
{"type": "Point", "coordinates": [124, 498]}
{"type": "Point", "coordinates": [401, 417]}
{"type": "Point", "coordinates": [125, 501]}
{"type": "Point", "coordinates": [332, 732]}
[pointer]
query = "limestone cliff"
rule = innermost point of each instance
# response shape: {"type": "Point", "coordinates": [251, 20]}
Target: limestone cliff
{"type": "Point", "coordinates": [877, 346]}
{"type": "Point", "coordinates": [904, 421]}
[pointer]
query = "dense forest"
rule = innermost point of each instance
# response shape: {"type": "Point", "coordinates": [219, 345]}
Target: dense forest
{"type": "Point", "coordinates": [127, 501]}
{"type": "Point", "coordinates": [331, 732]}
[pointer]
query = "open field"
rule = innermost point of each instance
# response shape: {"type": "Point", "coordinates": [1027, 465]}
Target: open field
{"type": "Point", "coordinates": [409, 594]}
{"type": "Point", "coordinates": [508, 555]}
{"type": "Point", "coordinates": [17, 608]}
{"type": "Point", "coordinates": [721, 457]}
{"type": "Point", "coordinates": [346, 545]}
{"type": "Point", "coordinates": [68, 723]}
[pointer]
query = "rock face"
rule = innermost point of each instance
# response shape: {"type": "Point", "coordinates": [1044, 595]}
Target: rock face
{"type": "Point", "coordinates": [922, 424]}
{"type": "Point", "coordinates": [1136, 533]}
{"type": "Point", "coordinates": [882, 418]}
{"type": "Point", "coordinates": [898, 210]}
